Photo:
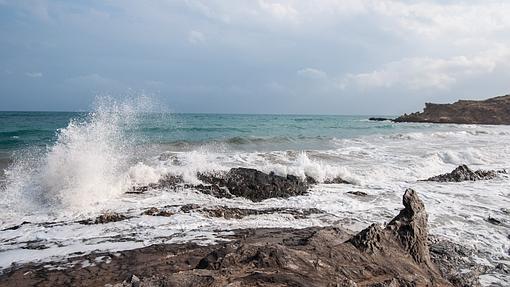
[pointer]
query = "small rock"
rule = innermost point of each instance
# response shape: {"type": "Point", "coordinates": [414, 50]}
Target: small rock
{"type": "Point", "coordinates": [358, 193]}
{"type": "Point", "coordinates": [336, 180]}
{"type": "Point", "coordinates": [379, 119]}
{"type": "Point", "coordinates": [153, 211]}
{"type": "Point", "coordinates": [189, 207]}
{"type": "Point", "coordinates": [494, 220]}
{"type": "Point", "coordinates": [109, 217]}
{"type": "Point", "coordinates": [464, 173]}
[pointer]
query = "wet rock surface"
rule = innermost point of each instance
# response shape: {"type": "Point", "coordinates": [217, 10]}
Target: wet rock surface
{"type": "Point", "coordinates": [464, 173]}
{"type": "Point", "coordinates": [249, 183]}
{"type": "Point", "coordinates": [456, 263]}
{"type": "Point", "coordinates": [256, 185]}
{"type": "Point", "coordinates": [106, 217]}
{"type": "Point", "coordinates": [493, 111]}
{"type": "Point", "coordinates": [153, 211]}
{"type": "Point", "coordinates": [395, 255]}
{"type": "Point", "coordinates": [239, 213]}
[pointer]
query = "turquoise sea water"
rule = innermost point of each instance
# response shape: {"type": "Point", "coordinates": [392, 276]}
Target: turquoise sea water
{"type": "Point", "coordinates": [20, 130]}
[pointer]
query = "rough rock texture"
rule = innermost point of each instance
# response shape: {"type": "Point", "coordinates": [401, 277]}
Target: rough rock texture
{"type": "Point", "coordinates": [464, 173]}
{"type": "Point", "coordinates": [396, 255]}
{"type": "Point", "coordinates": [238, 213]}
{"type": "Point", "coordinates": [106, 217]}
{"type": "Point", "coordinates": [244, 182]}
{"type": "Point", "coordinates": [153, 211]}
{"type": "Point", "coordinates": [408, 229]}
{"type": "Point", "coordinates": [493, 111]}
{"type": "Point", "coordinates": [456, 263]}
{"type": "Point", "coordinates": [256, 185]}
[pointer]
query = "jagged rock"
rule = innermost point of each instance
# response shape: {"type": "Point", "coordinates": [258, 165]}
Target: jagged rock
{"type": "Point", "coordinates": [189, 207]}
{"type": "Point", "coordinates": [493, 111]}
{"type": "Point", "coordinates": [106, 217]}
{"type": "Point", "coordinates": [369, 239]}
{"type": "Point", "coordinates": [336, 180]}
{"type": "Point", "coordinates": [494, 220]}
{"type": "Point", "coordinates": [464, 173]}
{"type": "Point", "coordinates": [456, 263]}
{"type": "Point", "coordinates": [244, 182]}
{"type": "Point", "coordinates": [153, 211]}
{"type": "Point", "coordinates": [410, 227]}
{"type": "Point", "coordinates": [169, 181]}
{"type": "Point", "coordinates": [256, 185]}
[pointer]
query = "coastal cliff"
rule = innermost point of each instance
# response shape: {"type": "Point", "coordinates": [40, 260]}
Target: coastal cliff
{"type": "Point", "coordinates": [493, 111]}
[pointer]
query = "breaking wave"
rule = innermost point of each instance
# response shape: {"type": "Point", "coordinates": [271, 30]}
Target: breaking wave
{"type": "Point", "coordinates": [86, 164]}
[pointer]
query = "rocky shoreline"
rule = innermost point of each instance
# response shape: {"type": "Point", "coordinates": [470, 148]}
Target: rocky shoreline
{"type": "Point", "coordinates": [400, 253]}
{"type": "Point", "coordinates": [395, 255]}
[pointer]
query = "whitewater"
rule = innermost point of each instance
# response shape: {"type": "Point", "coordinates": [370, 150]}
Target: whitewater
{"type": "Point", "coordinates": [72, 167]}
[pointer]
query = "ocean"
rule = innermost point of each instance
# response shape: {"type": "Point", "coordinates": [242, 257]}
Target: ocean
{"type": "Point", "coordinates": [59, 168]}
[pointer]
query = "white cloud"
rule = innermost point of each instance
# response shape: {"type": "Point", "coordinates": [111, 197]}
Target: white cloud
{"type": "Point", "coordinates": [279, 10]}
{"type": "Point", "coordinates": [196, 37]}
{"type": "Point", "coordinates": [312, 73]}
{"type": "Point", "coordinates": [423, 72]}
{"type": "Point", "coordinates": [34, 74]}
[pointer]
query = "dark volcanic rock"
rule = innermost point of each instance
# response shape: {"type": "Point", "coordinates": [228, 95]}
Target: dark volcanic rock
{"type": "Point", "coordinates": [464, 173]}
{"type": "Point", "coordinates": [153, 211]}
{"type": "Point", "coordinates": [336, 180]}
{"type": "Point", "coordinates": [318, 256]}
{"type": "Point", "coordinates": [493, 111]}
{"type": "Point", "coordinates": [244, 182]}
{"type": "Point", "coordinates": [106, 217]}
{"type": "Point", "coordinates": [238, 213]}
{"type": "Point", "coordinates": [379, 119]}
{"type": "Point", "coordinates": [256, 185]}
{"type": "Point", "coordinates": [456, 263]}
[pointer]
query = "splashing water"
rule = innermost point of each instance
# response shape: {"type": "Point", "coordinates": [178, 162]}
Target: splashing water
{"type": "Point", "coordinates": [86, 165]}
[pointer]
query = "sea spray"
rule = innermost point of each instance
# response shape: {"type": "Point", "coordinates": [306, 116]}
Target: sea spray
{"type": "Point", "coordinates": [86, 165]}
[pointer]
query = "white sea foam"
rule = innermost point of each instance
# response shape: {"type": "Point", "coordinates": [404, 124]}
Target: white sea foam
{"type": "Point", "coordinates": [85, 166]}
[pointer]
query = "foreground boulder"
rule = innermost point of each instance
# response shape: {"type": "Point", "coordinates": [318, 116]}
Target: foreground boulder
{"type": "Point", "coordinates": [395, 255]}
{"type": "Point", "coordinates": [493, 111]}
{"type": "Point", "coordinates": [464, 173]}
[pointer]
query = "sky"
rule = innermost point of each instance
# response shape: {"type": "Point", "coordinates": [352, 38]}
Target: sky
{"type": "Point", "coordinates": [370, 57]}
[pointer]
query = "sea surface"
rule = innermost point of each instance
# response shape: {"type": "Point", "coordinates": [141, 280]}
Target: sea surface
{"type": "Point", "coordinates": [59, 168]}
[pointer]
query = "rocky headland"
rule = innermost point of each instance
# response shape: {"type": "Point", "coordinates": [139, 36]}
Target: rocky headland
{"type": "Point", "coordinates": [493, 111]}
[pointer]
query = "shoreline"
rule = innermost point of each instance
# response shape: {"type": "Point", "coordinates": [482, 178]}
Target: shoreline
{"type": "Point", "coordinates": [312, 256]}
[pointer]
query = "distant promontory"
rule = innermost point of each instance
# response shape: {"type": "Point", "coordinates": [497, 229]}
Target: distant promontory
{"type": "Point", "coordinates": [493, 111]}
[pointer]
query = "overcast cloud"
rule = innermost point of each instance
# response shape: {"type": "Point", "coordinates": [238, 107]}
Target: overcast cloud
{"type": "Point", "coordinates": [335, 57]}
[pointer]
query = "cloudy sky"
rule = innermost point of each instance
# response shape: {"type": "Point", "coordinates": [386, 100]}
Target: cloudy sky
{"type": "Point", "coordinates": [265, 56]}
